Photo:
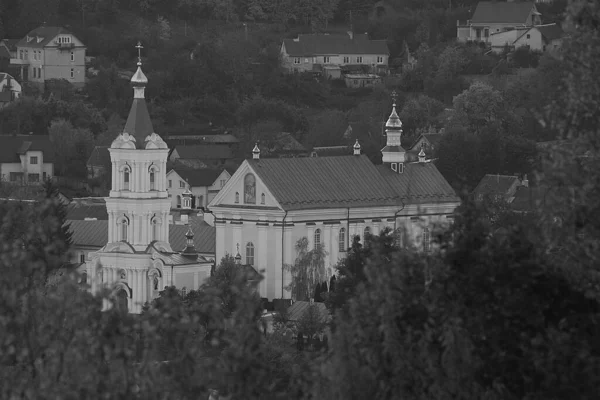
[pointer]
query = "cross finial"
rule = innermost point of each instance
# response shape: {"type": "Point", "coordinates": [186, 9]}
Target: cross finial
{"type": "Point", "coordinates": [139, 47]}
{"type": "Point", "coordinates": [394, 96]}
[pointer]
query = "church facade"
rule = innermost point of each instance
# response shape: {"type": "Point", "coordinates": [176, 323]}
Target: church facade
{"type": "Point", "coordinates": [138, 262]}
{"type": "Point", "coordinates": [269, 204]}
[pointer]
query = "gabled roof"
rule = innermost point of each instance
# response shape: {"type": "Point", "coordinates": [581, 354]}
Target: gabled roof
{"type": "Point", "coordinates": [550, 31]}
{"type": "Point", "coordinates": [433, 138]}
{"type": "Point", "coordinates": [203, 152]}
{"type": "Point", "coordinates": [95, 234]}
{"type": "Point", "coordinates": [12, 146]}
{"type": "Point", "coordinates": [502, 12]}
{"type": "Point", "coordinates": [100, 156]}
{"type": "Point", "coordinates": [319, 44]}
{"type": "Point", "coordinates": [495, 184]}
{"type": "Point", "coordinates": [47, 33]}
{"type": "Point", "coordinates": [324, 182]}
{"type": "Point", "coordinates": [199, 177]}
{"type": "Point", "coordinates": [419, 183]}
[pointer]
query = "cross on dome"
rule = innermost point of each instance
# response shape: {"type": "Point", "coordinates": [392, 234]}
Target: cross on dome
{"type": "Point", "coordinates": [139, 47]}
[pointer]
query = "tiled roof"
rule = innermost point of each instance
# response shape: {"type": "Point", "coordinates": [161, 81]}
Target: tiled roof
{"type": "Point", "coordinates": [80, 209]}
{"type": "Point", "coordinates": [550, 32]}
{"type": "Point", "coordinates": [12, 146]}
{"type": "Point", "coordinates": [318, 44]}
{"type": "Point", "coordinates": [46, 32]}
{"type": "Point", "coordinates": [199, 177]}
{"type": "Point", "coordinates": [502, 12]}
{"type": "Point", "coordinates": [296, 310]}
{"type": "Point", "coordinates": [95, 234]}
{"type": "Point", "coordinates": [100, 156]}
{"type": "Point", "coordinates": [496, 184]}
{"type": "Point", "coordinates": [204, 152]}
{"type": "Point", "coordinates": [324, 182]}
{"type": "Point", "coordinates": [419, 183]}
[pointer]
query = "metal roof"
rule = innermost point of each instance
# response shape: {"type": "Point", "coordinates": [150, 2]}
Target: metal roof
{"type": "Point", "coordinates": [318, 44]}
{"type": "Point", "coordinates": [502, 12]}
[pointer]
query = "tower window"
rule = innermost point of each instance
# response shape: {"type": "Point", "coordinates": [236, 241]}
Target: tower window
{"type": "Point", "coordinates": [317, 238]}
{"type": "Point", "coordinates": [126, 178]}
{"type": "Point", "coordinates": [200, 201]}
{"type": "Point", "coordinates": [250, 253]}
{"type": "Point", "coordinates": [342, 240]}
{"type": "Point", "coordinates": [156, 222]}
{"type": "Point", "coordinates": [124, 225]}
{"type": "Point", "coordinates": [152, 186]}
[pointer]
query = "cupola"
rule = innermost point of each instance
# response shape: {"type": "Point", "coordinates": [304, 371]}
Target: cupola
{"type": "Point", "coordinates": [393, 154]}
{"type": "Point", "coordinates": [256, 152]}
{"type": "Point", "coordinates": [190, 248]}
{"type": "Point", "coordinates": [356, 148]}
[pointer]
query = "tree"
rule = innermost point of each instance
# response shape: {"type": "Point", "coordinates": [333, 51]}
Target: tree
{"type": "Point", "coordinates": [478, 107]}
{"type": "Point", "coordinates": [72, 147]}
{"type": "Point", "coordinates": [312, 322]}
{"type": "Point", "coordinates": [308, 271]}
{"type": "Point", "coordinates": [419, 113]}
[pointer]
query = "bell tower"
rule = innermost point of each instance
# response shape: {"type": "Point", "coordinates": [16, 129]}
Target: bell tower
{"type": "Point", "coordinates": [138, 204]}
{"type": "Point", "coordinates": [393, 154]}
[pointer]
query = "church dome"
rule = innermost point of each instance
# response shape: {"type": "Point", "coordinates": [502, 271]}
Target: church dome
{"type": "Point", "coordinates": [393, 121]}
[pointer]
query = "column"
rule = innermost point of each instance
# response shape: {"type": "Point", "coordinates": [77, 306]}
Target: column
{"type": "Point", "coordinates": [289, 257]}
{"type": "Point", "coordinates": [327, 243]}
{"type": "Point", "coordinates": [110, 226]}
{"type": "Point", "coordinates": [114, 171]}
{"type": "Point", "coordinates": [140, 290]}
{"type": "Point", "coordinates": [275, 291]}
{"type": "Point", "coordinates": [144, 288]}
{"type": "Point", "coordinates": [261, 258]}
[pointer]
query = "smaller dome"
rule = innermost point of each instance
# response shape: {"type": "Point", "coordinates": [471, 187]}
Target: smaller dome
{"type": "Point", "coordinates": [394, 120]}
{"type": "Point", "coordinates": [357, 145]}
{"type": "Point", "coordinates": [139, 78]}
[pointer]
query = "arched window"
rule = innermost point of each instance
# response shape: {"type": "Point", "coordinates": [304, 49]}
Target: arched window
{"type": "Point", "coordinates": [249, 253]}
{"type": "Point", "coordinates": [156, 223]}
{"type": "Point", "coordinates": [342, 239]}
{"type": "Point", "coordinates": [126, 178]}
{"type": "Point", "coordinates": [426, 240]}
{"type": "Point", "coordinates": [317, 238]}
{"type": "Point", "coordinates": [262, 198]}
{"type": "Point", "coordinates": [249, 189]}
{"type": "Point", "coordinates": [124, 226]}
{"type": "Point", "coordinates": [178, 201]}
{"type": "Point", "coordinates": [152, 174]}
{"type": "Point", "coordinates": [237, 197]}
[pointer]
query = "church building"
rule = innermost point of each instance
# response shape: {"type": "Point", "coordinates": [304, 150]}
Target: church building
{"type": "Point", "coordinates": [269, 204]}
{"type": "Point", "coordinates": [138, 262]}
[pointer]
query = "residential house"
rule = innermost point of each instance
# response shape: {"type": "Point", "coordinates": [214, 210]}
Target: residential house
{"type": "Point", "coordinates": [204, 184]}
{"type": "Point", "coordinates": [99, 162]}
{"type": "Point", "coordinates": [316, 52]}
{"type": "Point", "coordinates": [201, 156]}
{"type": "Point", "coordinates": [540, 38]}
{"type": "Point", "coordinates": [495, 16]}
{"type": "Point", "coordinates": [427, 141]}
{"type": "Point", "coordinates": [498, 187]}
{"type": "Point", "coordinates": [269, 204]}
{"type": "Point", "coordinates": [10, 89]}
{"type": "Point", "coordinates": [50, 52]}
{"type": "Point", "coordinates": [361, 80]}
{"type": "Point", "coordinates": [283, 145]}
{"type": "Point", "coordinates": [26, 159]}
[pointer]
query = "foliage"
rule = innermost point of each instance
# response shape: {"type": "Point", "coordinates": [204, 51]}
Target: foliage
{"type": "Point", "coordinates": [312, 322]}
{"type": "Point", "coordinates": [72, 148]}
{"type": "Point", "coordinates": [308, 270]}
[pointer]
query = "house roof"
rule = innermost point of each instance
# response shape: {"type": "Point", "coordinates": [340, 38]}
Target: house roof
{"type": "Point", "coordinates": [349, 181]}
{"type": "Point", "coordinates": [203, 152]}
{"type": "Point", "coordinates": [283, 143]}
{"type": "Point", "coordinates": [316, 44]}
{"type": "Point", "coordinates": [12, 146]}
{"type": "Point", "coordinates": [297, 310]}
{"type": "Point", "coordinates": [550, 31]}
{"type": "Point", "coordinates": [502, 12]}
{"type": "Point", "coordinates": [95, 234]}
{"type": "Point", "coordinates": [199, 177]}
{"type": "Point", "coordinates": [433, 138]}
{"type": "Point", "coordinates": [100, 156]}
{"type": "Point", "coordinates": [496, 184]}
{"type": "Point", "coordinates": [91, 207]}
{"type": "Point", "coordinates": [47, 33]}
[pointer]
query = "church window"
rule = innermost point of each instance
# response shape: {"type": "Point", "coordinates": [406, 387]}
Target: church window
{"type": "Point", "coordinates": [156, 222]}
{"type": "Point", "coordinates": [124, 225]}
{"type": "Point", "coordinates": [249, 189]}
{"type": "Point", "coordinates": [249, 253]}
{"type": "Point", "coordinates": [170, 183]}
{"type": "Point", "coordinates": [181, 184]}
{"type": "Point", "coordinates": [342, 239]}
{"type": "Point", "coordinates": [317, 238]}
{"type": "Point", "coordinates": [426, 240]}
{"type": "Point", "coordinates": [155, 283]}
{"type": "Point", "coordinates": [152, 173]}
{"type": "Point", "coordinates": [262, 198]}
{"type": "Point", "coordinates": [237, 197]}
{"type": "Point", "coordinates": [126, 178]}
{"type": "Point", "coordinates": [178, 201]}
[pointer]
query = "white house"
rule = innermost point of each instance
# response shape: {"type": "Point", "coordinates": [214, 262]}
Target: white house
{"type": "Point", "coordinates": [137, 260]}
{"type": "Point", "coordinates": [26, 159]}
{"type": "Point", "coordinates": [268, 204]}
{"type": "Point", "coordinates": [10, 89]}
{"type": "Point", "coordinates": [204, 184]}
{"type": "Point", "coordinates": [540, 38]}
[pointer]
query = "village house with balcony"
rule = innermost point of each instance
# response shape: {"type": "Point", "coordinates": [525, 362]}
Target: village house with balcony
{"type": "Point", "coordinates": [330, 53]}
{"type": "Point", "coordinates": [492, 17]}
{"type": "Point", "coordinates": [10, 89]}
{"type": "Point", "coordinates": [50, 52]}
{"type": "Point", "coordinates": [26, 159]}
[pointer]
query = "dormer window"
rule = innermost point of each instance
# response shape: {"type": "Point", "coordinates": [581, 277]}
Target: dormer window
{"type": "Point", "coordinates": [395, 167]}
{"type": "Point", "coordinates": [39, 39]}
{"type": "Point", "coordinates": [29, 39]}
